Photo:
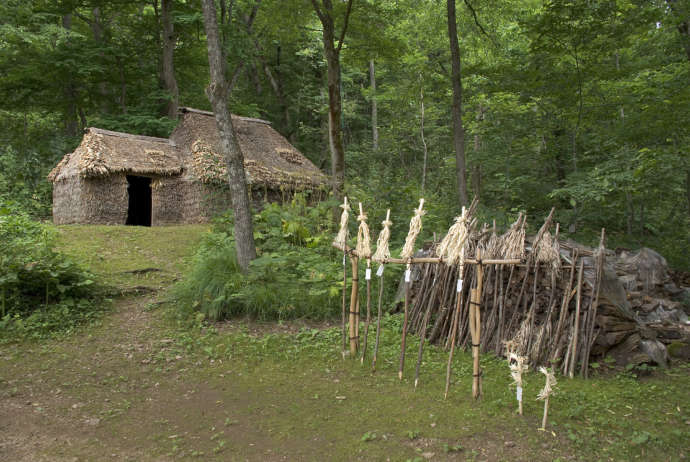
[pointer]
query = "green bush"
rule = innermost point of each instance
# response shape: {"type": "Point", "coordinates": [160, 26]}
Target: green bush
{"type": "Point", "coordinates": [41, 290]}
{"type": "Point", "coordinates": [297, 273]}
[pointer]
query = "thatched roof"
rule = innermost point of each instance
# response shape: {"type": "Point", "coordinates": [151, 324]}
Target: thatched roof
{"type": "Point", "coordinates": [103, 152]}
{"type": "Point", "coordinates": [269, 158]}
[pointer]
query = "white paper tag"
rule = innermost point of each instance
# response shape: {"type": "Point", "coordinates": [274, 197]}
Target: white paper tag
{"type": "Point", "coordinates": [367, 275]}
{"type": "Point", "coordinates": [459, 287]}
{"type": "Point", "coordinates": [519, 393]}
{"type": "Point", "coordinates": [408, 275]}
{"type": "Point", "coordinates": [379, 272]}
{"type": "Point", "coordinates": [343, 259]}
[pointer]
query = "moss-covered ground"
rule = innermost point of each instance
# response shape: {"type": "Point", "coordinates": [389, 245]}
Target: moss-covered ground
{"type": "Point", "coordinates": [141, 384]}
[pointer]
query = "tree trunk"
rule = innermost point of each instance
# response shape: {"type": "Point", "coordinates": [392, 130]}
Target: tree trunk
{"type": "Point", "coordinates": [374, 113]}
{"type": "Point", "coordinates": [335, 136]}
{"type": "Point", "coordinates": [168, 80]}
{"type": "Point", "coordinates": [71, 119]}
{"type": "Point", "coordinates": [217, 92]}
{"type": "Point", "coordinates": [123, 84]}
{"type": "Point", "coordinates": [97, 30]}
{"type": "Point", "coordinates": [458, 130]}
{"type": "Point", "coordinates": [421, 131]}
{"type": "Point", "coordinates": [687, 188]}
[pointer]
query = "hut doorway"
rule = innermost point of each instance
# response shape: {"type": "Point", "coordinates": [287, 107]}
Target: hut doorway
{"type": "Point", "coordinates": [139, 191]}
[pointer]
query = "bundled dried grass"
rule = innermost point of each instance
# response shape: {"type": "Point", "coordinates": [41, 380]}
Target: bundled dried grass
{"type": "Point", "coordinates": [363, 239]}
{"type": "Point", "coordinates": [550, 384]}
{"type": "Point", "coordinates": [547, 250]}
{"type": "Point", "coordinates": [382, 251]}
{"type": "Point", "coordinates": [340, 240]}
{"type": "Point", "coordinates": [493, 246]}
{"type": "Point", "coordinates": [415, 228]}
{"type": "Point", "coordinates": [513, 241]}
{"type": "Point", "coordinates": [452, 246]}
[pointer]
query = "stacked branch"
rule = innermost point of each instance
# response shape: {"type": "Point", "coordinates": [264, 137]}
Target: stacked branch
{"type": "Point", "coordinates": [534, 305]}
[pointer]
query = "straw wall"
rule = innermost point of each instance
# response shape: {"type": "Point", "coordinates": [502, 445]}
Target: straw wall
{"type": "Point", "coordinates": [168, 201]}
{"type": "Point", "coordinates": [67, 195]}
{"type": "Point", "coordinates": [105, 200]}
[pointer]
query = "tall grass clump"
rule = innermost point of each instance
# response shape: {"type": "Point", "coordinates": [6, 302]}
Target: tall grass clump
{"type": "Point", "coordinates": [296, 275]}
{"type": "Point", "coordinates": [41, 290]}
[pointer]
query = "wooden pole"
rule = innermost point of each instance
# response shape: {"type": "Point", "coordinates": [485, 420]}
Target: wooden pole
{"type": "Point", "coordinates": [344, 348]}
{"type": "Point", "coordinates": [378, 321]}
{"type": "Point", "coordinates": [422, 338]}
{"type": "Point", "coordinates": [367, 277]}
{"type": "Point", "coordinates": [576, 328]}
{"type": "Point", "coordinates": [354, 333]}
{"type": "Point", "coordinates": [454, 330]}
{"type": "Point", "coordinates": [408, 277]}
{"type": "Point", "coordinates": [546, 413]}
{"type": "Point", "coordinates": [475, 324]}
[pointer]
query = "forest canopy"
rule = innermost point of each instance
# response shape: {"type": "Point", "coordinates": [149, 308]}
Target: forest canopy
{"type": "Point", "coordinates": [584, 106]}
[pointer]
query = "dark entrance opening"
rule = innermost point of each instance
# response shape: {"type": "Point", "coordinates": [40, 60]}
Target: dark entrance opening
{"type": "Point", "coordinates": [139, 191]}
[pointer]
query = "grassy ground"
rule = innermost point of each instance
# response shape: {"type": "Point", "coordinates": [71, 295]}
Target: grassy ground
{"type": "Point", "coordinates": [142, 385]}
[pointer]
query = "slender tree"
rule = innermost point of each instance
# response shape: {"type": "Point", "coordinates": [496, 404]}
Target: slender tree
{"type": "Point", "coordinates": [168, 80]}
{"type": "Point", "coordinates": [458, 130]}
{"type": "Point", "coordinates": [374, 111]}
{"type": "Point", "coordinates": [217, 93]}
{"type": "Point", "coordinates": [324, 10]}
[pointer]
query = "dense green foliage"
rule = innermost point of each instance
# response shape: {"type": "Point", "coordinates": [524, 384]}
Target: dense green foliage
{"type": "Point", "coordinates": [41, 290]}
{"type": "Point", "coordinates": [580, 105]}
{"type": "Point", "coordinates": [297, 273]}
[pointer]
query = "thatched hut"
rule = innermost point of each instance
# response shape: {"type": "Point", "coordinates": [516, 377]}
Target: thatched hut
{"type": "Point", "coordinates": [119, 178]}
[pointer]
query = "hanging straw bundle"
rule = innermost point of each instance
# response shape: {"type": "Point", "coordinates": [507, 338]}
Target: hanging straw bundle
{"type": "Point", "coordinates": [382, 252]}
{"type": "Point", "coordinates": [548, 390]}
{"type": "Point", "coordinates": [415, 228]}
{"type": "Point", "coordinates": [363, 239]}
{"type": "Point", "coordinates": [541, 236]}
{"type": "Point", "coordinates": [450, 250]}
{"type": "Point", "coordinates": [340, 240]}
{"type": "Point", "coordinates": [514, 239]}
{"type": "Point", "coordinates": [517, 366]}
{"type": "Point", "coordinates": [492, 249]}
{"type": "Point", "coordinates": [548, 251]}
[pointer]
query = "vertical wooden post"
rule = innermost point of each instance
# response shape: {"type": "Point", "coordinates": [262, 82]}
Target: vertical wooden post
{"type": "Point", "coordinates": [573, 358]}
{"type": "Point", "coordinates": [454, 329]}
{"type": "Point", "coordinates": [354, 299]}
{"type": "Point", "coordinates": [378, 323]}
{"type": "Point", "coordinates": [546, 413]}
{"type": "Point", "coordinates": [408, 277]}
{"type": "Point", "coordinates": [475, 326]}
{"type": "Point", "coordinates": [344, 349]}
{"type": "Point", "coordinates": [366, 327]}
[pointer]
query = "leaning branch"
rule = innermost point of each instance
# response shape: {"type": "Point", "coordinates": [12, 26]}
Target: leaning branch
{"type": "Point", "coordinates": [476, 21]}
{"type": "Point", "coordinates": [347, 20]}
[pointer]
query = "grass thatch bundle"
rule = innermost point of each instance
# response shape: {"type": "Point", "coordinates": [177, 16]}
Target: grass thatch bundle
{"type": "Point", "coordinates": [415, 228]}
{"type": "Point", "coordinates": [383, 253]}
{"type": "Point", "coordinates": [451, 248]}
{"type": "Point", "coordinates": [363, 239]}
{"type": "Point", "coordinates": [514, 239]}
{"type": "Point", "coordinates": [340, 240]}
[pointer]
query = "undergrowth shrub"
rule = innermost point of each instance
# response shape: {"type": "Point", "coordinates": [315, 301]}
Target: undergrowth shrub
{"type": "Point", "coordinates": [297, 273]}
{"type": "Point", "coordinates": [41, 290]}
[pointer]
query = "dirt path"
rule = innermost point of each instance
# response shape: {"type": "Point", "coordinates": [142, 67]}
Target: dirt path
{"type": "Point", "coordinates": [116, 391]}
